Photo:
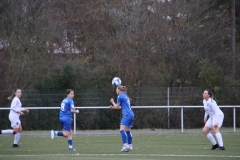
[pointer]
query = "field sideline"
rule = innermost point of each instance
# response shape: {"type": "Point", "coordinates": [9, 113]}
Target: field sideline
{"type": "Point", "coordinates": [105, 145]}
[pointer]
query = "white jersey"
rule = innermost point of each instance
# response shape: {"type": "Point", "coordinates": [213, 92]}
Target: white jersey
{"type": "Point", "coordinates": [16, 106]}
{"type": "Point", "coordinates": [211, 108]}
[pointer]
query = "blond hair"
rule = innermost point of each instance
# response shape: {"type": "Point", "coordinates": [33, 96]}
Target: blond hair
{"type": "Point", "coordinates": [122, 88]}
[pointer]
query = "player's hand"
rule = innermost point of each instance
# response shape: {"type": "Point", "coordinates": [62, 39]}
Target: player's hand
{"type": "Point", "coordinates": [27, 111]}
{"type": "Point", "coordinates": [21, 113]}
{"type": "Point", "coordinates": [112, 100]}
{"type": "Point", "coordinates": [205, 120]}
{"type": "Point", "coordinates": [77, 111]}
{"type": "Point", "coordinates": [111, 106]}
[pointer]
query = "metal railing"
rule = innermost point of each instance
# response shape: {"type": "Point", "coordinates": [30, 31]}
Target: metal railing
{"type": "Point", "coordinates": [139, 107]}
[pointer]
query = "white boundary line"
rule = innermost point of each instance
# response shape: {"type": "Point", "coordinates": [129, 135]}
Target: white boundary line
{"type": "Point", "coordinates": [106, 155]}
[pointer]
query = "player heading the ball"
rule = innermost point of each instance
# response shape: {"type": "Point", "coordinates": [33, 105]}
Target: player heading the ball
{"type": "Point", "coordinates": [123, 102]}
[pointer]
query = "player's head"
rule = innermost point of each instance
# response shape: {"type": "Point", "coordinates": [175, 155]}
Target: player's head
{"type": "Point", "coordinates": [17, 93]}
{"type": "Point", "coordinates": [70, 93]}
{"type": "Point", "coordinates": [207, 94]}
{"type": "Point", "coordinates": [120, 89]}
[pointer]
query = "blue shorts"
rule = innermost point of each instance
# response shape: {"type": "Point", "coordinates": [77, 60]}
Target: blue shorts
{"type": "Point", "coordinates": [66, 123]}
{"type": "Point", "coordinates": [127, 121]}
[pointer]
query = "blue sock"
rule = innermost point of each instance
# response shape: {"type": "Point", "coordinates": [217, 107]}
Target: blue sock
{"type": "Point", "coordinates": [60, 133]}
{"type": "Point", "coordinates": [129, 136]}
{"type": "Point", "coordinates": [70, 143]}
{"type": "Point", "coordinates": [124, 136]}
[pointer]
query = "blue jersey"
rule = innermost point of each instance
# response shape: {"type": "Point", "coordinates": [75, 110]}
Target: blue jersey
{"type": "Point", "coordinates": [66, 106]}
{"type": "Point", "coordinates": [124, 102]}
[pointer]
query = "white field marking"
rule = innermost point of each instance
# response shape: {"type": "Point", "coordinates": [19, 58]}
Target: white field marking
{"type": "Point", "coordinates": [106, 155]}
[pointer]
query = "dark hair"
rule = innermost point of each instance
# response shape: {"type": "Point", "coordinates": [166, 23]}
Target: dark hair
{"type": "Point", "coordinates": [13, 94]}
{"type": "Point", "coordinates": [68, 91]}
{"type": "Point", "coordinates": [210, 93]}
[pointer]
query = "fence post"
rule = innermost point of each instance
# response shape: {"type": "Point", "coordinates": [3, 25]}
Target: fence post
{"type": "Point", "coordinates": [74, 123]}
{"type": "Point", "coordinates": [182, 119]}
{"type": "Point", "coordinates": [168, 102]}
{"type": "Point", "coordinates": [234, 119]}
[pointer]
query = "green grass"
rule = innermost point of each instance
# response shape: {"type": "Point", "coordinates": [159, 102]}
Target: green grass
{"type": "Point", "coordinates": [106, 147]}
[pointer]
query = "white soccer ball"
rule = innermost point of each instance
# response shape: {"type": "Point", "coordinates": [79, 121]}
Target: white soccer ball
{"type": "Point", "coordinates": [116, 81]}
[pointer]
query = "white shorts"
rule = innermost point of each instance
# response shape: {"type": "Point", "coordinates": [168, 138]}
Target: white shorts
{"type": "Point", "coordinates": [212, 120]}
{"type": "Point", "coordinates": [15, 121]}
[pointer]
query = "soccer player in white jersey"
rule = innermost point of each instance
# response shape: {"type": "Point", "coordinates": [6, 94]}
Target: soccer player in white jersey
{"type": "Point", "coordinates": [214, 121]}
{"type": "Point", "coordinates": [14, 116]}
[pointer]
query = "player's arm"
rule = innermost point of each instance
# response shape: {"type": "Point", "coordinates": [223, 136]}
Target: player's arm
{"type": "Point", "coordinates": [214, 107]}
{"type": "Point", "coordinates": [73, 110]}
{"type": "Point", "coordinates": [24, 110]}
{"type": "Point", "coordinates": [205, 117]}
{"type": "Point", "coordinates": [14, 107]}
{"type": "Point", "coordinates": [114, 105]}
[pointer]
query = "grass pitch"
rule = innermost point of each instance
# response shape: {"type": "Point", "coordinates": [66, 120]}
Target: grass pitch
{"type": "Point", "coordinates": [106, 147]}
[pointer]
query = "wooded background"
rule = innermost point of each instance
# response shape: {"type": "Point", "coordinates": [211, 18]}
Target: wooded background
{"type": "Point", "coordinates": [48, 46]}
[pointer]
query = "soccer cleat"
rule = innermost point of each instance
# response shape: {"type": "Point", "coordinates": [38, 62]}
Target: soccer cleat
{"type": "Point", "coordinates": [214, 146]}
{"type": "Point", "coordinates": [130, 148]}
{"type": "Point", "coordinates": [52, 134]}
{"type": "Point", "coordinates": [72, 149]}
{"type": "Point", "coordinates": [0, 131]}
{"type": "Point", "coordinates": [125, 149]}
{"type": "Point", "coordinates": [15, 146]}
{"type": "Point", "coordinates": [221, 148]}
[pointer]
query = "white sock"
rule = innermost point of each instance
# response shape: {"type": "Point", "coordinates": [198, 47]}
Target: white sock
{"type": "Point", "coordinates": [211, 138]}
{"type": "Point", "coordinates": [125, 144]}
{"type": "Point", "coordinates": [56, 132]}
{"type": "Point", "coordinates": [7, 131]}
{"type": "Point", "coordinates": [16, 138]}
{"type": "Point", "coordinates": [219, 138]}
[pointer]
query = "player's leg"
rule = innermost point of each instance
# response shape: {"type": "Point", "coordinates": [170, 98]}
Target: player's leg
{"type": "Point", "coordinates": [68, 131]}
{"type": "Point", "coordinates": [70, 142]}
{"type": "Point", "coordinates": [7, 131]}
{"type": "Point", "coordinates": [123, 133]}
{"type": "Point", "coordinates": [63, 133]}
{"type": "Point", "coordinates": [218, 134]}
{"type": "Point", "coordinates": [17, 128]}
{"type": "Point", "coordinates": [129, 133]}
{"type": "Point", "coordinates": [17, 136]}
{"type": "Point", "coordinates": [206, 131]}
{"type": "Point", "coordinates": [123, 127]}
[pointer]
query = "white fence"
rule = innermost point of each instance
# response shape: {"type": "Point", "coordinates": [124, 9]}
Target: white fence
{"type": "Point", "coordinates": [142, 107]}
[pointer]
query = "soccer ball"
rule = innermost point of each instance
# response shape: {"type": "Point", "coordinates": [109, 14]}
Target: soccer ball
{"type": "Point", "coordinates": [116, 81]}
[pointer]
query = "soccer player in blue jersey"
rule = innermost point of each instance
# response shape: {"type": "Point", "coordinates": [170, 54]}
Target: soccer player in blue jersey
{"type": "Point", "coordinates": [123, 102]}
{"type": "Point", "coordinates": [65, 118]}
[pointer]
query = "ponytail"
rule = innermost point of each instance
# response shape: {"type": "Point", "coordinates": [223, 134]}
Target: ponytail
{"type": "Point", "coordinates": [123, 89]}
{"type": "Point", "coordinates": [11, 97]}
{"type": "Point", "coordinates": [210, 93]}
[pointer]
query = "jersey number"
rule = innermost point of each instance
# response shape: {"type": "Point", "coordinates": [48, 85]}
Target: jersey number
{"type": "Point", "coordinates": [128, 101]}
{"type": "Point", "coordinates": [63, 107]}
